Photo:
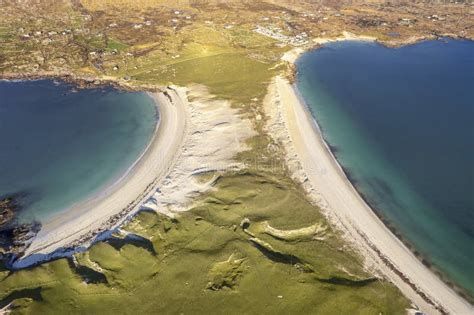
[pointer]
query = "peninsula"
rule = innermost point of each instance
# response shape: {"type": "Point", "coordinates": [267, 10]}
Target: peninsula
{"type": "Point", "coordinates": [237, 204]}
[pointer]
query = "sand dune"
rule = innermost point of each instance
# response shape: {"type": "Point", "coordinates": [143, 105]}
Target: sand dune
{"type": "Point", "coordinates": [215, 135]}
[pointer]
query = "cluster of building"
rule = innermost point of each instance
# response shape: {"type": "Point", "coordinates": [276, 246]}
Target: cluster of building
{"type": "Point", "coordinates": [406, 21]}
{"type": "Point", "coordinates": [140, 25]}
{"type": "Point", "coordinates": [180, 15]}
{"type": "Point", "coordinates": [276, 33]}
{"type": "Point", "coordinates": [46, 37]}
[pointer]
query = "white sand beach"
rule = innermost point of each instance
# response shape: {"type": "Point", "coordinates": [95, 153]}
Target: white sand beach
{"type": "Point", "coordinates": [93, 216]}
{"type": "Point", "coordinates": [314, 166]}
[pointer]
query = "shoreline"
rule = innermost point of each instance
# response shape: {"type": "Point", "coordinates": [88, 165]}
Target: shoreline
{"type": "Point", "coordinates": [422, 258]}
{"type": "Point", "coordinates": [191, 139]}
{"type": "Point", "coordinates": [96, 217]}
{"type": "Point", "coordinates": [292, 56]}
{"type": "Point", "coordinates": [83, 81]}
{"type": "Point", "coordinates": [115, 182]}
{"type": "Point", "coordinates": [95, 81]}
{"type": "Point", "coordinates": [313, 162]}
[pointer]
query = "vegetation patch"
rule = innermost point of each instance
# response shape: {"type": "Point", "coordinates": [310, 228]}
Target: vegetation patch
{"type": "Point", "coordinates": [206, 248]}
{"type": "Point", "coordinates": [116, 45]}
{"type": "Point", "coordinates": [226, 274]}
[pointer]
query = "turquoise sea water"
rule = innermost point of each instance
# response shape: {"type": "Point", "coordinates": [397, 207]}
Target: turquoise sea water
{"type": "Point", "coordinates": [401, 123]}
{"type": "Point", "coordinates": [59, 147]}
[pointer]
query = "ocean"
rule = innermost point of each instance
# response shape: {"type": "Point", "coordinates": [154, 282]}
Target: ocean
{"type": "Point", "coordinates": [400, 121]}
{"type": "Point", "coordinates": [60, 145]}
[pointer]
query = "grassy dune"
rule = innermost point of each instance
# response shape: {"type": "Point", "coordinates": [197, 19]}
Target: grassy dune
{"type": "Point", "coordinates": [204, 262]}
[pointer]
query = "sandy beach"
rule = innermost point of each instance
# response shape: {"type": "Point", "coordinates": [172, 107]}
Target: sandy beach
{"type": "Point", "coordinates": [314, 166]}
{"type": "Point", "coordinates": [108, 209]}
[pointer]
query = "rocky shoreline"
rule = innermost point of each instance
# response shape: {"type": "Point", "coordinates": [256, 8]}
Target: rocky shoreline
{"type": "Point", "coordinates": [14, 237]}
{"type": "Point", "coordinates": [80, 82]}
{"type": "Point", "coordinates": [395, 43]}
{"type": "Point", "coordinates": [292, 55]}
{"type": "Point", "coordinates": [125, 83]}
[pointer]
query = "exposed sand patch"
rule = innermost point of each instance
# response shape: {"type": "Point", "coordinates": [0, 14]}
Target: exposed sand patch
{"type": "Point", "coordinates": [216, 134]}
{"type": "Point", "coordinates": [315, 231]}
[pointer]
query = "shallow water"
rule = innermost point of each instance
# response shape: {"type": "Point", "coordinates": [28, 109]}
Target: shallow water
{"type": "Point", "coordinates": [59, 146]}
{"type": "Point", "coordinates": [401, 124]}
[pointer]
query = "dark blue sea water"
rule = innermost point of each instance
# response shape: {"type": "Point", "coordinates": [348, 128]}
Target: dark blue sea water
{"type": "Point", "coordinates": [58, 147]}
{"type": "Point", "coordinates": [401, 122]}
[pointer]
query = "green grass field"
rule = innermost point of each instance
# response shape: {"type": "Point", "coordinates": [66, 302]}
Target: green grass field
{"type": "Point", "coordinates": [204, 262]}
{"type": "Point", "coordinates": [116, 45]}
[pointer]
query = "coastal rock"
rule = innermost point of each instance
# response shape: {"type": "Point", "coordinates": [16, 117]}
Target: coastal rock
{"type": "Point", "coordinates": [14, 237]}
{"type": "Point", "coordinates": [6, 211]}
{"type": "Point", "coordinates": [6, 215]}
